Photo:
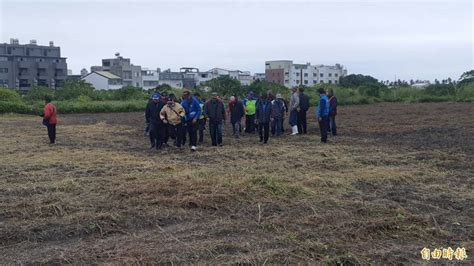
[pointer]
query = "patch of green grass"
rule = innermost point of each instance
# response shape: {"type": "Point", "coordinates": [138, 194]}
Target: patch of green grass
{"type": "Point", "coordinates": [276, 187]}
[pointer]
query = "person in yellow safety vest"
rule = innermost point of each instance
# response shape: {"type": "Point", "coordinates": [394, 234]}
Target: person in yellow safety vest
{"type": "Point", "coordinates": [250, 104]}
{"type": "Point", "coordinates": [202, 118]}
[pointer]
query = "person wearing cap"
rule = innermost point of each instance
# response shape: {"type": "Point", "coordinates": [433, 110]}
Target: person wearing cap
{"type": "Point", "coordinates": [322, 112]}
{"type": "Point", "coordinates": [277, 114]}
{"type": "Point", "coordinates": [332, 113]}
{"type": "Point", "coordinates": [294, 109]}
{"type": "Point", "coordinates": [304, 106]}
{"type": "Point", "coordinates": [250, 104]}
{"type": "Point", "coordinates": [50, 119]}
{"type": "Point", "coordinates": [193, 112]}
{"type": "Point", "coordinates": [215, 112]}
{"type": "Point", "coordinates": [237, 111]}
{"type": "Point", "coordinates": [263, 117]}
{"type": "Point", "coordinates": [157, 128]}
{"type": "Point", "coordinates": [173, 115]}
{"type": "Point", "coordinates": [202, 118]}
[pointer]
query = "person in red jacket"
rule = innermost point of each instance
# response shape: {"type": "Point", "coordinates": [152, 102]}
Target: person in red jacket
{"type": "Point", "coordinates": [50, 119]}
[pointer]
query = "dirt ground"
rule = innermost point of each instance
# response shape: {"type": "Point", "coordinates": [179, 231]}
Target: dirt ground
{"type": "Point", "coordinates": [398, 178]}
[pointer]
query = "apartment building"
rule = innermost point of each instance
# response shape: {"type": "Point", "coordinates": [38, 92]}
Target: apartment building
{"type": "Point", "coordinates": [286, 73]}
{"type": "Point", "coordinates": [130, 74]}
{"type": "Point", "coordinates": [244, 77]}
{"type": "Point", "coordinates": [150, 78]}
{"type": "Point", "coordinates": [23, 66]}
{"type": "Point", "coordinates": [259, 76]}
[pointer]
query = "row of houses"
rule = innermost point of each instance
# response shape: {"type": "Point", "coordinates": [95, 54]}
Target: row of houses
{"type": "Point", "coordinates": [283, 72]}
{"type": "Point", "coordinates": [119, 71]}
{"type": "Point", "coordinates": [23, 66]}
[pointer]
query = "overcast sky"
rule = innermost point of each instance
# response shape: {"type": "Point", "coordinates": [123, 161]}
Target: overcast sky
{"type": "Point", "coordinates": [386, 39]}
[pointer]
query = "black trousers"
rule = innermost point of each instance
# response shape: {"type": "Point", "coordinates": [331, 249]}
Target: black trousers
{"type": "Point", "coordinates": [249, 123]}
{"type": "Point", "coordinates": [302, 122]}
{"type": "Point", "coordinates": [263, 131]}
{"type": "Point", "coordinates": [157, 134]}
{"type": "Point", "coordinates": [323, 128]}
{"type": "Point", "coordinates": [51, 133]}
{"type": "Point", "coordinates": [177, 131]}
{"type": "Point", "coordinates": [202, 127]}
{"type": "Point", "coordinates": [215, 130]}
{"type": "Point", "coordinates": [192, 132]}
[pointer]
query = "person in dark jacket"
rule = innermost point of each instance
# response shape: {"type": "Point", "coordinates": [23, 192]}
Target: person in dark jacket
{"type": "Point", "coordinates": [193, 112]}
{"type": "Point", "coordinates": [277, 115]}
{"type": "Point", "coordinates": [285, 114]}
{"type": "Point", "coordinates": [237, 111]}
{"type": "Point", "coordinates": [263, 116]}
{"type": "Point", "coordinates": [157, 128]}
{"type": "Point", "coordinates": [304, 106]}
{"type": "Point", "coordinates": [322, 112]}
{"type": "Point", "coordinates": [215, 112]}
{"type": "Point", "coordinates": [332, 113]}
{"type": "Point", "coordinates": [147, 120]}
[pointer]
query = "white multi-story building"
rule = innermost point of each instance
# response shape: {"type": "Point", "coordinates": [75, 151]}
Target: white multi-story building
{"type": "Point", "coordinates": [286, 73]}
{"type": "Point", "coordinates": [244, 77]}
{"type": "Point", "coordinates": [259, 76]}
{"type": "Point", "coordinates": [150, 78]}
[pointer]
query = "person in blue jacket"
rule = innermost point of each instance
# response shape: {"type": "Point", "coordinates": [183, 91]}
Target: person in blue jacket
{"type": "Point", "coordinates": [192, 108]}
{"type": "Point", "coordinates": [263, 116]}
{"type": "Point", "coordinates": [322, 112]}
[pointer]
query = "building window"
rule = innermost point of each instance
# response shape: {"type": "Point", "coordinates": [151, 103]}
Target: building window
{"type": "Point", "coordinates": [321, 75]}
{"type": "Point", "coordinates": [297, 74]}
{"type": "Point", "coordinates": [306, 82]}
{"type": "Point", "coordinates": [330, 75]}
{"type": "Point", "coordinates": [322, 81]}
{"type": "Point", "coordinates": [286, 81]}
{"type": "Point", "coordinates": [335, 82]}
{"type": "Point", "coordinates": [9, 50]}
{"type": "Point", "coordinates": [3, 82]}
{"type": "Point", "coordinates": [329, 81]}
{"type": "Point", "coordinates": [315, 75]}
{"type": "Point", "coordinates": [3, 70]}
{"type": "Point", "coordinates": [315, 81]}
{"type": "Point", "coordinates": [305, 74]}
{"type": "Point", "coordinates": [335, 74]}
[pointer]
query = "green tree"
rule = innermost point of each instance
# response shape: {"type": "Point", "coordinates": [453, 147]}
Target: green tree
{"type": "Point", "coordinates": [356, 80]}
{"type": "Point", "coordinates": [225, 86]}
{"type": "Point", "coordinates": [38, 93]}
{"type": "Point", "coordinates": [260, 87]}
{"type": "Point", "coordinates": [129, 93]}
{"type": "Point", "coordinates": [9, 95]}
{"type": "Point", "coordinates": [466, 78]}
{"type": "Point", "coordinates": [73, 89]}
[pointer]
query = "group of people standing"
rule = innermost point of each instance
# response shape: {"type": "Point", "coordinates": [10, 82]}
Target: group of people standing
{"type": "Point", "coordinates": [186, 118]}
{"type": "Point", "coordinates": [168, 117]}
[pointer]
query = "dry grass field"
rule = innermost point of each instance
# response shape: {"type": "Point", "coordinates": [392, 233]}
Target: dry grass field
{"type": "Point", "coordinates": [398, 178]}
